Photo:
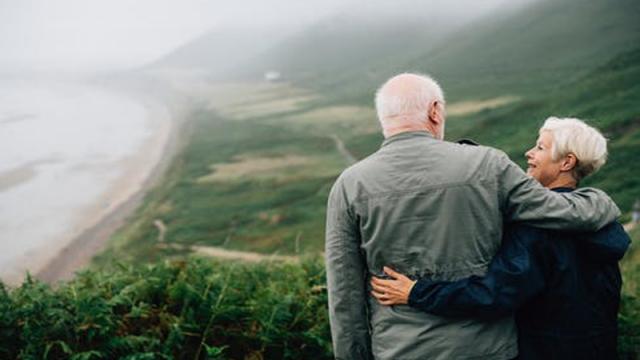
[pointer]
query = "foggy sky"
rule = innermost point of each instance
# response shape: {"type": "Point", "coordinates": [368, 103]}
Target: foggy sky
{"type": "Point", "coordinates": [78, 34]}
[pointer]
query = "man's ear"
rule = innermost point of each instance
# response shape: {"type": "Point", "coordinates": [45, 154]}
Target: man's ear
{"type": "Point", "coordinates": [569, 162]}
{"type": "Point", "coordinates": [435, 112]}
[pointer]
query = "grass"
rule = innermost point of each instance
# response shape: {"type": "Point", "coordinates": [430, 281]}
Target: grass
{"type": "Point", "coordinates": [245, 185]}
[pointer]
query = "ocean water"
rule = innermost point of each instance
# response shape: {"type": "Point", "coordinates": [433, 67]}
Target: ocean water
{"type": "Point", "coordinates": [62, 146]}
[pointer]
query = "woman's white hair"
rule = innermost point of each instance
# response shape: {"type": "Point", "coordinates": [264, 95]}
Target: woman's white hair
{"type": "Point", "coordinates": [407, 104]}
{"type": "Point", "coordinates": [573, 136]}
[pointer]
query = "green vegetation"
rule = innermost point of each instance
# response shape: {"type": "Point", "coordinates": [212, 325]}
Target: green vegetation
{"type": "Point", "coordinates": [242, 185]}
{"type": "Point", "coordinates": [196, 309]}
{"type": "Point", "coordinates": [629, 317]}
{"type": "Point", "coordinates": [255, 177]}
{"type": "Point", "coordinates": [202, 309]}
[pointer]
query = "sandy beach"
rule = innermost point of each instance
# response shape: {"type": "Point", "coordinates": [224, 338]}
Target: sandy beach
{"type": "Point", "coordinates": [142, 171]}
{"type": "Point", "coordinates": [73, 250]}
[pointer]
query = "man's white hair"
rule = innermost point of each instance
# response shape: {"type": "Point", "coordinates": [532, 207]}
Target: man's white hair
{"type": "Point", "coordinates": [573, 136]}
{"type": "Point", "coordinates": [412, 106]}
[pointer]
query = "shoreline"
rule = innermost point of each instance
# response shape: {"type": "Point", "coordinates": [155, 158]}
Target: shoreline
{"type": "Point", "coordinates": [75, 254]}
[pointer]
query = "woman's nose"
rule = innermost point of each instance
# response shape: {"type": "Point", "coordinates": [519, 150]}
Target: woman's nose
{"type": "Point", "coordinates": [528, 154]}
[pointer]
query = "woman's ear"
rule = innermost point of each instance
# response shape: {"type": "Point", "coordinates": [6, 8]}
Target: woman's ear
{"type": "Point", "coordinates": [569, 162]}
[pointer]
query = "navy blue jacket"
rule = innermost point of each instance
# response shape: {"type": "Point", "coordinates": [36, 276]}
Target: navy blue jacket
{"type": "Point", "coordinates": [563, 287]}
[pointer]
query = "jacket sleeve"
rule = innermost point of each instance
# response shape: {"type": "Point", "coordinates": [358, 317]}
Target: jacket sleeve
{"type": "Point", "coordinates": [523, 198]}
{"type": "Point", "coordinates": [609, 244]}
{"type": "Point", "coordinates": [346, 280]}
{"type": "Point", "coordinates": [515, 274]}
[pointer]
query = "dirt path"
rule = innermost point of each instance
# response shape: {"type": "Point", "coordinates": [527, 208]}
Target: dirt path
{"type": "Point", "coordinates": [342, 149]}
{"type": "Point", "coordinates": [221, 253]}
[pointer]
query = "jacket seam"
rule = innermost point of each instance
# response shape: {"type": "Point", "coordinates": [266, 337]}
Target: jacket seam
{"type": "Point", "coordinates": [368, 197]}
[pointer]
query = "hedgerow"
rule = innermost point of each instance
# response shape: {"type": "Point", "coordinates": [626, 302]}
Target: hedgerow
{"type": "Point", "coordinates": [197, 309]}
{"type": "Point", "coordinates": [194, 309]}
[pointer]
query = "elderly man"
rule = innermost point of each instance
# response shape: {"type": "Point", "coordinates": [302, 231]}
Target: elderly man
{"type": "Point", "coordinates": [424, 206]}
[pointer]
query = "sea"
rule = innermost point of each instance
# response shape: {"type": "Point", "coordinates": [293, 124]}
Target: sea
{"type": "Point", "coordinates": [62, 147]}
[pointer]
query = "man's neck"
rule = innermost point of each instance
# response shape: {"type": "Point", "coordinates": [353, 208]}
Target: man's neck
{"type": "Point", "coordinates": [391, 131]}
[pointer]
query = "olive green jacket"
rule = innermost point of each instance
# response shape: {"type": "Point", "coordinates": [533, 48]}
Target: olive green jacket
{"type": "Point", "coordinates": [429, 207]}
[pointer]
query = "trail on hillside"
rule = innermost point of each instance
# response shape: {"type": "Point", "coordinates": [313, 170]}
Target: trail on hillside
{"type": "Point", "coordinates": [221, 253]}
{"type": "Point", "coordinates": [342, 149]}
{"type": "Point", "coordinates": [249, 256]}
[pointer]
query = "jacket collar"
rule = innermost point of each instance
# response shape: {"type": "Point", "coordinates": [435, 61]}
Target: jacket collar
{"type": "Point", "coordinates": [407, 135]}
{"type": "Point", "coordinates": [562, 189]}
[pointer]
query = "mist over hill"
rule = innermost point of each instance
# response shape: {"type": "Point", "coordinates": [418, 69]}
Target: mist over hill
{"type": "Point", "coordinates": [219, 51]}
{"type": "Point", "coordinates": [546, 44]}
{"type": "Point", "coordinates": [526, 49]}
{"type": "Point", "coordinates": [515, 46]}
{"type": "Point", "coordinates": [357, 39]}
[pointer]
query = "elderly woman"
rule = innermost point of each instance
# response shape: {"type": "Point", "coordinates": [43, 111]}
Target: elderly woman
{"type": "Point", "coordinates": [563, 287]}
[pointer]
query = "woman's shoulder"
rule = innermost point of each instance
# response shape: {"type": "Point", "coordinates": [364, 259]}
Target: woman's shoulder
{"type": "Point", "coordinates": [522, 230]}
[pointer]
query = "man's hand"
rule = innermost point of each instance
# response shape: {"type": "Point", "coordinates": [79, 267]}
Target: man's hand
{"type": "Point", "coordinates": [392, 292]}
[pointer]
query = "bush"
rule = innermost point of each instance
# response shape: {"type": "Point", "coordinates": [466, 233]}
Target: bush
{"type": "Point", "coordinates": [196, 309]}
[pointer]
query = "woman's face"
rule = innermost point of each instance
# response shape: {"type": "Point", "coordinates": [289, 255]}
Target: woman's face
{"type": "Point", "coordinates": [541, 166]}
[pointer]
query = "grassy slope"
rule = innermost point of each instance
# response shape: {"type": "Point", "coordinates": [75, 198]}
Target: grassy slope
{"type": "Point", "coordinates": [608, 98]}
{"type": "Point", "coordinates": [546, 45]}
{"type": "Point", "coordinates": [268, 209]}
{"type": "Point", "coordinates": [271, 210]}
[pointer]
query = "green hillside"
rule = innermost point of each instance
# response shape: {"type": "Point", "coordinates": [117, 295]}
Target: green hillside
{"type": "Point", "coordinates": [254, 175]}
{"type": "Point", "coordinates": [546, 45]}
{"type": "Point", "coordinates": [255, 172]}
{"type": "Point", "coordinates": [607, 97]}
{"type": "Point", "coordinates": [527, 50]}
